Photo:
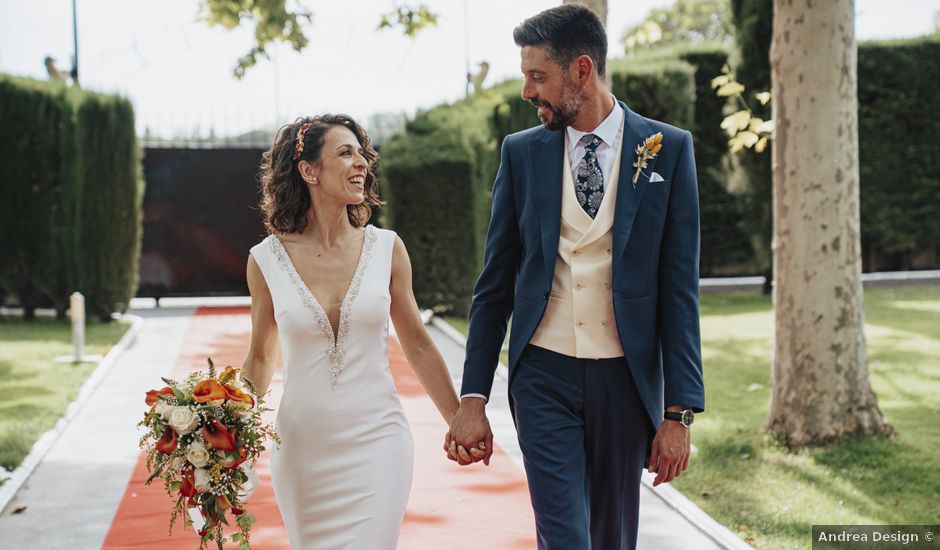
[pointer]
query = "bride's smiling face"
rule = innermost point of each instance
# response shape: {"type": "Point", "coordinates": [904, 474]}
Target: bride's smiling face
{"type": "Point", "coordinates": [341, 171]}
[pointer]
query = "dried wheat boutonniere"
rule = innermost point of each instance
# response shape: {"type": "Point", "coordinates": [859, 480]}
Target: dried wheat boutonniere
{"type": "Point", "coordinates": [646, 151]}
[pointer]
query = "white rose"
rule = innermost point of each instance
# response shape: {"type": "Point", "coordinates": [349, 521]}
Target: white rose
{"type": "Point", "coordinates": [227, 460]}
{"type": "Point", "coordinates": [184, 420]}
{"type": "Point", "coordinates": [201, 479]}
{"type": "Point", "coordinates": [177, 463]}
{"type": "Point", "coordinates": [197, 454]}
{"type": "Point", "coordinates": [164, 410]}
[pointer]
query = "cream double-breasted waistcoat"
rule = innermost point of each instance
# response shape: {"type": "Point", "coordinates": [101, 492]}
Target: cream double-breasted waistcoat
{"type": "Point", "coordinates": [579, 318]}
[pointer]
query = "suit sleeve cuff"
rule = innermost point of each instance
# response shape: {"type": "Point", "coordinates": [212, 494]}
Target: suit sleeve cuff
{"type": "Point", "coordinates": [480, 395]}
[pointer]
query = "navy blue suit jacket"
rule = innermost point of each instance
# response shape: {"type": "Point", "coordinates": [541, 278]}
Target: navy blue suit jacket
{"type": "Point", "coordinates": [655, 262]}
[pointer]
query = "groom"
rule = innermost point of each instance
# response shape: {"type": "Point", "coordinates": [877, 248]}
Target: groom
{"type": "Point", "coordinates": [593, 247]}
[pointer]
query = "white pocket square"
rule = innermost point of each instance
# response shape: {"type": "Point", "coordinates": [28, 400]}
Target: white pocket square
{"type": "Point", "coordinates": [654, 177]}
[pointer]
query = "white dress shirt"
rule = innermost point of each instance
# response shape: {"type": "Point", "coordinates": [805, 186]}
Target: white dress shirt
{"type": "Point", "coordinates": [609, 132]}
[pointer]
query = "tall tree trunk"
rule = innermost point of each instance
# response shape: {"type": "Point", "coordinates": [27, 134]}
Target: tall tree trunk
{"type": "Point", "coordinates": [821, 390]}
{"type": "Point", "coordinates": [598, 6]}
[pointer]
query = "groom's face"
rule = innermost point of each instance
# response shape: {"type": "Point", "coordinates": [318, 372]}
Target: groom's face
{"type": "Point", "coordinates": [548, 86]}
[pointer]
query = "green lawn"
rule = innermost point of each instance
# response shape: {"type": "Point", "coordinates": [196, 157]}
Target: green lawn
{"type": "Point", "coordinates": [34, 391]}
{"type": "Point", "coordinates": [771, 497]}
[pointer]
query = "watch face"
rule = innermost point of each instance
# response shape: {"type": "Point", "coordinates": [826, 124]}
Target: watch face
{"type": "Point", "coordinates": [688, 417]}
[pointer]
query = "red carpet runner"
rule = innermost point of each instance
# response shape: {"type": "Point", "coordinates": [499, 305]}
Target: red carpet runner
{"type": "Point", "coordinates": [472, 508]}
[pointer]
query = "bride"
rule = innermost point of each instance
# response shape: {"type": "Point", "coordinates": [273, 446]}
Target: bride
{"type": "Point", "coordinates": [323, 286]}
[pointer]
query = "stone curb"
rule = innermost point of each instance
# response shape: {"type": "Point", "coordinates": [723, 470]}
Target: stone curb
{"type": "Point", "coordinates": [721, 535]}
{"type": "Point", "coordinates": [881, 278]}
{"type": "Point", "coordinates": [21, 474]}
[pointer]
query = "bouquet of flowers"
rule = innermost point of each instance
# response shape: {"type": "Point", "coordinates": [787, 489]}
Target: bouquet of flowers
{"type": "Point", "coordinates": [203, 434]}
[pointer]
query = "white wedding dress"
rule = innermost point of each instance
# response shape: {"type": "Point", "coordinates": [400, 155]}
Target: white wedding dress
{"type": "Point", "coordinates": [343, 473]}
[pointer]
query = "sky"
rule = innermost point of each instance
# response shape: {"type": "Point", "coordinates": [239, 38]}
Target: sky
{"type": "Point", "coordinates": [178, 71]}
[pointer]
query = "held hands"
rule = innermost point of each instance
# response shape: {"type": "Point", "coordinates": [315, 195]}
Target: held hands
{"type": "Point", "coordinates": [460, 455]}
{"type": "Point", "coordinates": [670, 454]}
{"type": "Point", "coordinates": [470, 438]}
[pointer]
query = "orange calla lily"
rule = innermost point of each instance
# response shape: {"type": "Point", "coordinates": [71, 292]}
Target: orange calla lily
{"type": "Point", "coordinates": [153, 396]}
{"type": "Point", "coordinates": [228, 374]}
{"type": "Point", "coordinates": [188, 488]}
{"type": "Point", "coordinates": [217, 436]}
{"type": "Point", "coordinates": [209, 390]}
{"type": "Point", "coordinates": [167, 444]}
{"type": "Point", "coordinates": [242, 456]}
{"type": "Point", "coordinates": [223, 502]}
{"type": "Point", "coordinates": [236, 394]}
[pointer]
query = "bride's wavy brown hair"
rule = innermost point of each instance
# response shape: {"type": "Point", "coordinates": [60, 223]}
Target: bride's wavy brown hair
{"type": "Point", "coordinates": [285, 199]}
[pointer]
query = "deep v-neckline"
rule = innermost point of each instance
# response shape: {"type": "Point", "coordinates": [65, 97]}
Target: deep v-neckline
{"type": "Point", "coordinates": [335, 334]}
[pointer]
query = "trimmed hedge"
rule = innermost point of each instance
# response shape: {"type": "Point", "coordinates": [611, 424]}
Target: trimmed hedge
{"type": "Point", "coordinates": [433, 205]}
{"type": "Point", "coordinates": [34, 177]}
{"type": "Point", "coordinates": [726, 246]}
{"type": "Point", "coordinates": [658, 88]}
{"type": "Point", "coordinates": [469, 122]}
{"type": "Point", "coordinates": [70, 197]}
{"type": "Point", "coordinates": [899, 150]}
{"type": "Point", "coordinates": [112, 203]}
{"type": "Point", "coordinates": [437, 180]}
{"type": "Point", "coordinates": [661, 89]}
{"type": "Point", "coordinates": [752, 174]}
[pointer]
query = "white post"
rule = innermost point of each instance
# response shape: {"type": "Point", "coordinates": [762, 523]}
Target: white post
{"type": "Point", "coordinates": [77, 309]}
{"type": "Point", "coordinates": [77, 314]}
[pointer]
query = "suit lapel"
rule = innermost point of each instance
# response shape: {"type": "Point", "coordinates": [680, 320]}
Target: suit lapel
{"type": "Point", "coordinates": [546, 156]}
{"type": "Point", "coordinates": [636, 129]}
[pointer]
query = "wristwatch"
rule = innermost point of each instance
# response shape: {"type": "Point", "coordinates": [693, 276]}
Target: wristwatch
{"type": "Point", "coordinates": [685, 417]}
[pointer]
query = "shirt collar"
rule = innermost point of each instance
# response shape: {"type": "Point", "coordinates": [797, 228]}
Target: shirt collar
{"type": "Point", "coordinates": [607, 130]}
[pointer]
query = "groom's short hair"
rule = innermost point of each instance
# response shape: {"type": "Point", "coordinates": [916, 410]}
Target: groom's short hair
{"type": "Point", "coordinates": [567, 32]}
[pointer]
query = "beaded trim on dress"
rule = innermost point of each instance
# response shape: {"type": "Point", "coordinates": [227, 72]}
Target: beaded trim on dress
{"type": "Point", "coordinates": [337, 351]}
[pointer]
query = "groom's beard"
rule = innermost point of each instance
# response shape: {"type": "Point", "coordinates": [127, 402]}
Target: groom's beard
{"type": "Point", "coordinates": [566, 112]}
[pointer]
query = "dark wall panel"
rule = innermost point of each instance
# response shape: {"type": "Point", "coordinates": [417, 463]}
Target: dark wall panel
{"type": "Point", "coordinates": [200, 220]}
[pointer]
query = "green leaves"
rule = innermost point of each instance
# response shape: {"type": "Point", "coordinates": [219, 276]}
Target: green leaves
{"type": "Point", "coordinates": [410, 19]}
{"type": "Point", "coordinates": [274, 21]}
{"type": "Point", "coordinates": [744, 129]}
{"type": "Point", "coordinates": [245, 521]}
{"type": "Point", "coordinates": [685, 22]}
{"type": "Point", "coordinates": [730, 89]}
{"type": "Point", "coordinates": [181, 397]}
{"type": "Point", "coordinates": [736, 122]}
{"type": "Point", "coordinates": [743, 139]}
{"type": "Point", "coordinates": [241, 540]}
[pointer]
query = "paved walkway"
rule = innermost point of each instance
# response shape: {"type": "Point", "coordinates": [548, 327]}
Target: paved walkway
{"type": "Point", "coordinates": [88, 491]}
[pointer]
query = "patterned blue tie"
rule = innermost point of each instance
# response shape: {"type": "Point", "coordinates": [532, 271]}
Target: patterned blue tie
{"type": "Point", "coordinates": [590, 184]}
